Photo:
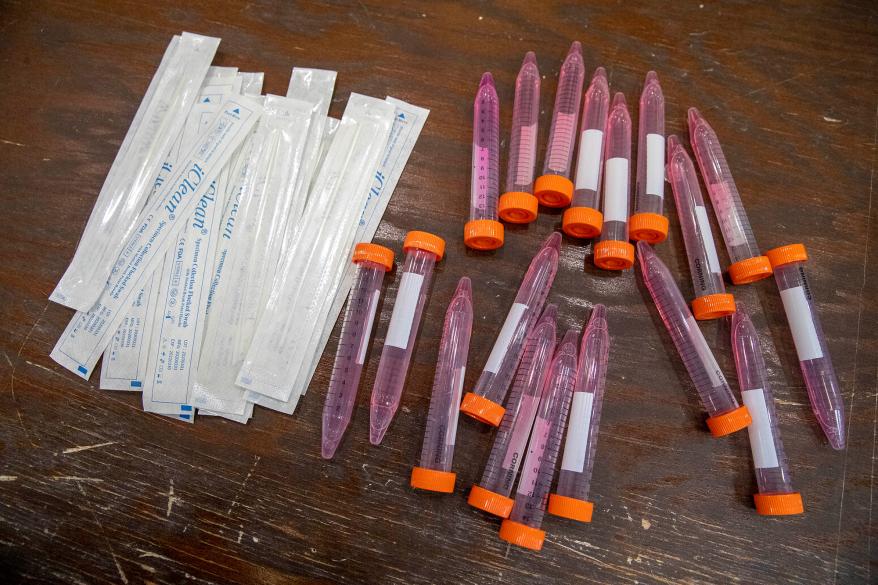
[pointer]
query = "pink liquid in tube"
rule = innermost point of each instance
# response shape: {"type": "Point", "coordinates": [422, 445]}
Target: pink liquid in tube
{"type": "Point", "coordinates": [483, 231]}
{"type": "Point", "coordinates": [649, 222]}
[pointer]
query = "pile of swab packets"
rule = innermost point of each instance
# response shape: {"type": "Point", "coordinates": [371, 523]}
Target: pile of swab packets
{"type": "Point", "coordinates": [217, 256]}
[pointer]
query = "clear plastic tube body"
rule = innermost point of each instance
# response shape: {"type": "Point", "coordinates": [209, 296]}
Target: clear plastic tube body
{"type": "Point", "coordinates": [650, 185]}
{"type": "Point", "coordinates": [707, 278]}
{"type": "Point", "coordinates": [733, 221]}
{"type": "Point", "coordinates": [525, 118]}
{"type": "Point", "coordinates": [710, 383]}
{"type": "Point", "coordinates": [769, 459]}
{"type": "Point", "coordinates": [591, 142]}
{"type": "Point", "coordinates": [350, 355]}
{"type": "Point", "coordinates": [824, 391]}
{"type": "Point", "coordinates": [577, 462]}
{"type": "Point", "coordinates": [485, 182]}
{"type": "Point", "coordinates": [562, 136]}
{"type": "Point", "coordinates": [510, 441]}
{"type": "Point", "coordinates": [499, 370]}
{"type": "Point", "coordinates": [538, 469]}
{"type": "Point", "coordinates": [417, 275]}
{"type": "Point", "coordinates": [438, 448]}
{"type": "Point", "coordinates": [617, 172]}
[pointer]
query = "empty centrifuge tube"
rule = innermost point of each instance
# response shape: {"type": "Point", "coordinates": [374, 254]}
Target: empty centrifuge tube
{"type": "Point", "coordinates": [434, 472]}
{"type": "Point", "coordinates": [748, 265]}
{"type": "Point", "coordinates": [518, 205]}
{"type": "Point", "coordinates": [649, 222]}
{"type": "Point", "coordinates": [491, 494]}
{"type": "Point", "coordinates": [614, 251]}
{"type": "Point", "coordinates": [554, 188]}
{"type": "Point", "coordinates": [776, 495]}
{"type": "Point", "coordinates": [484, 403]}
{"type": "Point", "coordinates": [570, 499]}
{"type": "Point", "coordinates": [583, 219]}
{"type": "Point", "coordinates": [522, 528]}
{"type": "Point", "coordinates": [725, 415]}
{"type": "Point", "coordinates": [373, 261]}
{"type": "Point", "coordinates": [422, 251]}
{"type": "Point", "coordinates": [483, 231]}
{"type": "Point", "coordinates": [711, 299]}
{"type": "Point", "coordinates": [824, 392]}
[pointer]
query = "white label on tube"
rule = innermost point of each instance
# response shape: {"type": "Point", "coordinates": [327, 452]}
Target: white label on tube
{"type": "Point", "coordinates": [404, 310]}
{"type": "Point", "coordinates": [520, 432]}
{"type": "Point", "coordinates": [506, 333]}
{"type": "Point", "coordinates": [524, 171]}
{"type": "Point", "coordinates": [588, 166]}
{"type": "Point", "coordinates": [577, 432]}
{"type": "Point", "coordinates": [616, 190]}
{"type": "Point", "coordinates": [707, 237]}
{"type": "Point", "coordinates": [761, 440]}
{"type": "Point", "coordinates": [798, 311]}
{"type": "Point", "coordinates": [364, 343]}
{"type": "Point", "coordinates": [539, 440]}
{"type": "Point", "coordinates": [457, 387]}
{"type": "Point", "coordinates": [703, 350]}
{"type": "Point", "coordinates": [655, 165]}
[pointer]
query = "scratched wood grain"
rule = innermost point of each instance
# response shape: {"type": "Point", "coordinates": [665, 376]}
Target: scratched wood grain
{"type": "Point", "coordinates": [92, 490]}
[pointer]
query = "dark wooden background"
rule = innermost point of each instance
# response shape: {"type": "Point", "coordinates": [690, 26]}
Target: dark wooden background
{"type": "Point", "coordinates": [93, 490]}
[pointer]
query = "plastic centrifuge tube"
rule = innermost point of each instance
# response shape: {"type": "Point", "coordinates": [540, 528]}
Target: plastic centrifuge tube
{"type": "Point", "coordinates": [422, 251]}
{"type": "Point", "coordinates": [649, 222]}
{"type": "Point", "coordinates": [483, 231]}
{"type": "Point", "coordinates": [554, 188]}
{"type": "Point", "coordinates": [434, 472]}
{"type": "Point", "coordinates": [522, 528]}
{"type": "Point", "coordinates": [518, 205]}
{"type": "Point", "coordinates": [776, 496]}
{"type": "Point", "coordinates": [583, 219]}
{"type": "Point", "coordinates": [725, 415]}
{"type": "Point", "coordinates": [484, 403]}
{"type": "Point", "coordinates": [373, 261]}
{"type": "Point", "coordinates": [711, 299]}
{"type": "Point", "coordinates": [748, 265]}
{"type": "Point", "coordinates": [491, 494]}
{"type": "Point", "coordinates": [824, 392]}
{"type": "Point", "coordinates": [614, 251]}
{"type": "Point", "coordinates": [570, 499]}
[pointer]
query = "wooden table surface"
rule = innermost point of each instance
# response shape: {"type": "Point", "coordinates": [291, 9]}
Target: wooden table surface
{"type": "Point", "coordinates": [94, 490]}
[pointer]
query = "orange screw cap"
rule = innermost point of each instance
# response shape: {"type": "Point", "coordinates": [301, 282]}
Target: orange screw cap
{"type": "Point", "coordinates": [433, 480]}
{"type": "Point", "coordinates": [365, 252]}
{"type": "Point", "coordinates": [554, 190]}
{"type": "Point", "coordinates": [786, 254]}
{"type": "Point", "coordinates": [483, 234]}
{"type": "Point", "coordinates": [518, 207]}
{"type": "Point", "coordinates": [779, 504]}
{"type": "Point", "coordinates": [713, 306]}
{"type": "Point", "coordinates": [522, 535]}
{"type": "Point", "coordinates": [482, 409]}
{"type": "Point", "coordinates": [425, 241]}
{"type": "Point", "coordinates": [582, 222]}
{"type": "Point", "coordinates": [725, 424]}
{"type": "Point", "coordinates": [649, 227]}
{"type": "Point", "coordinates": [614, 255]}
{"type": "Point", "coordinates": [490, 502]}
{"type": "Point", "coordinates": [750, 270]}
{"type": "Point", "coordinates": [571, 508]}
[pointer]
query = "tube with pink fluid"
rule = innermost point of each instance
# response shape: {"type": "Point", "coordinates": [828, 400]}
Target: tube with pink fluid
{"type": "Point", "coordinates": [422, 251]}
{"type": "Point", "coordinates": [485, 402]}
{"type": "Point", "coordinates": [483, 231]}
{"type": "Point", "coordinates": [649, 222]}
{"type": "Point", "coordinates": [570, 499]}
{"type": "Point", "coordinates": [584, 219]}
{"type": "Point", "coordinates": [434, 472]}
{"type": "Point", "coordinates": [711, 299]}
{"type": "Point", "coordinates": [824, 391]}
{"type": "Point", "coordinates": [522, 528]}
{"type": "Point", "coordinates": [776, 496]}
{"type": "Point", "coordinates": [554, 188]}
{"type": "Point", "coordinates": [491, 494]}
{"type": "Point", "coordinates": [748, 264]}
{"type": "Point", "coordinates": [725, 415]}
{"type": "Point", "coordinates": [614, 251]}
{"type": "Point", "coordinates": [518, 204]}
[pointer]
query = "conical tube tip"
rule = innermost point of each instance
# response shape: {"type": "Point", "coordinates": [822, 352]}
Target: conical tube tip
{"type": "Point", "coordinates": [530, 58]}
{"type": "Point", "coordinates": [553, 241]}
{"type": "Point", "coordinates": [598, 317]}
{"type": "Point", "coordinates": [695, 118]}
{"type": "Point", "coordinates": [619, 100]}
{"type": "Point", "coordinates": [673, 144]}
{"type": "Point", "coordinates": [487, 79]}
{"type": "Point", "coordinates": [599, 73]}
{"type": "Point", "coordinates": [464, 288]}
{"type": "Point", "coordinates": [549, 313]}
{"type": "Point", "coordinates": [651, 77]}
{"type": "Point", "coordinates": [575, 48]}
{"type": "Point", "coordinates": [569, 340]}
